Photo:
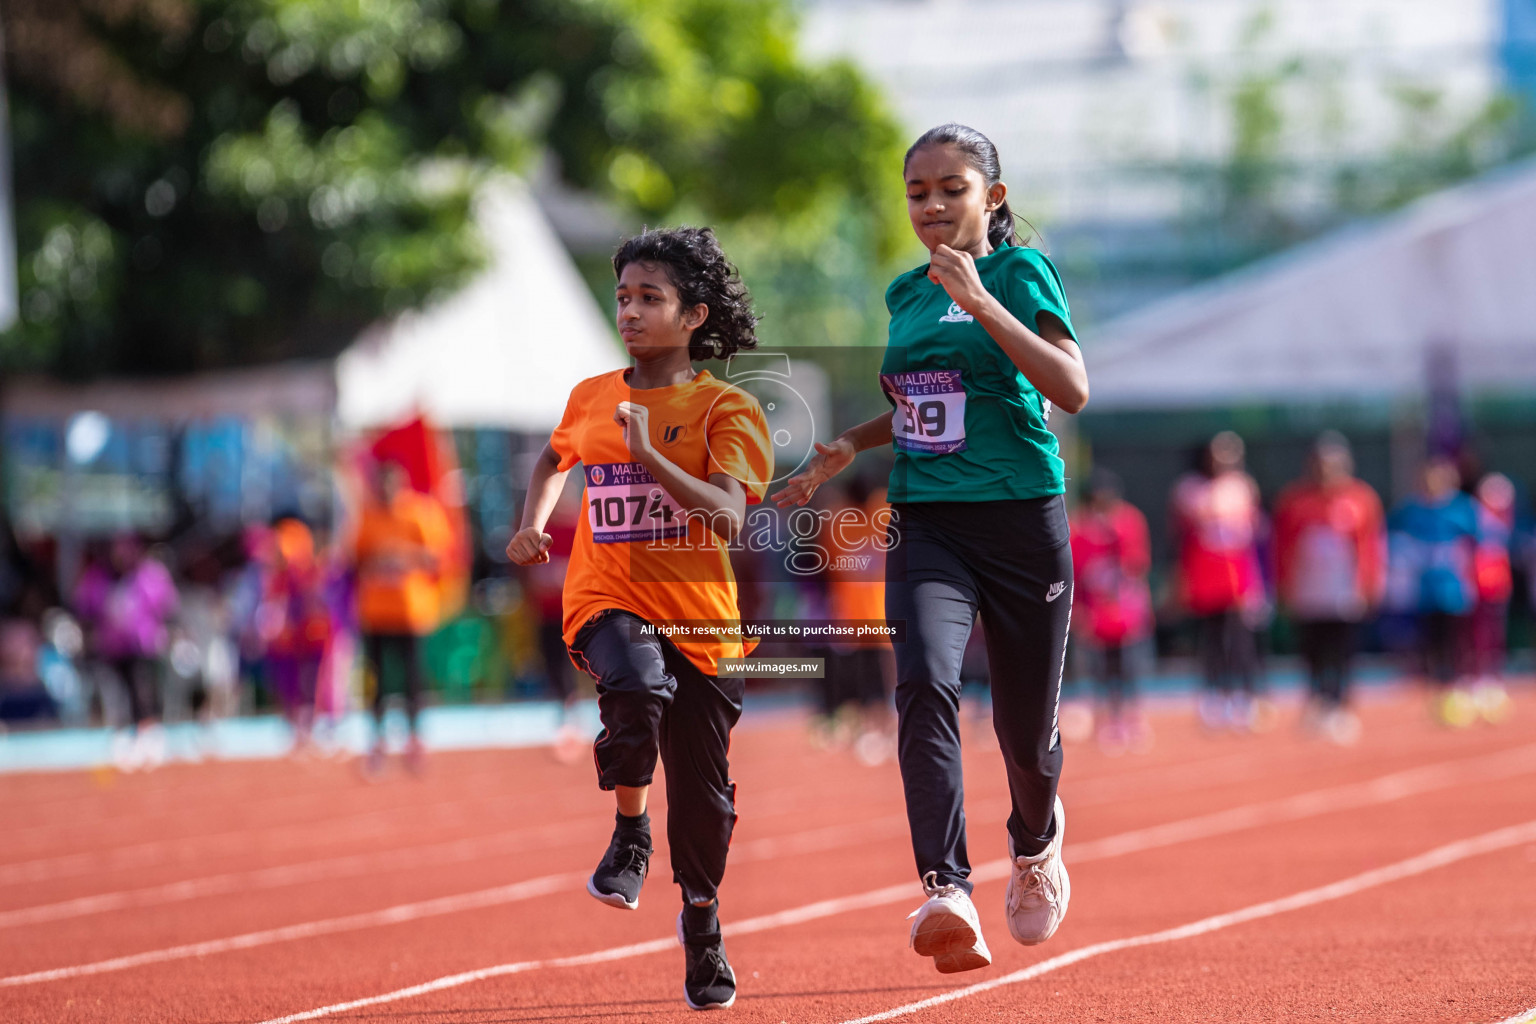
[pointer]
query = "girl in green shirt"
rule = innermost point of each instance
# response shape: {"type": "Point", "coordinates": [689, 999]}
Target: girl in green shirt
{"type": "Point", "coordinates": [981, 347]}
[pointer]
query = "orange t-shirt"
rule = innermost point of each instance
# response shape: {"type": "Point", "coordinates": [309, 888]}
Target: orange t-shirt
{"type": "Point", "coordinates": [397, 591]}
{"type": "Point", "coordinates": [635, 550]}
{"type": "Point", "coordinates": [856, 582]}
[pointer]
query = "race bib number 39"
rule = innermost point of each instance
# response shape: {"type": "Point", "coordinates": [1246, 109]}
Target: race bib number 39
{"type": "Point", "coordinates": [930, 410]}
{"type": "Point", "coordinates": [625, 504]}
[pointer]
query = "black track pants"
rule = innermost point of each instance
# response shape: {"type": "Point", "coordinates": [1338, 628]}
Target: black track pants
{"type": "Point", "coordinates": [381, 651]}
{"type": "Point", "coordinates": [1229, 652]}
{"type": "Point", "coordinates": [1011, 562]}
{"type": "Point", "coordinates": [653, 700]}
{"type": "Point", "coordinates": [1328, 646]}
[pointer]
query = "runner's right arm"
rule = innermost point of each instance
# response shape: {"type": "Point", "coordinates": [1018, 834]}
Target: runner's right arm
{"type": "Point", "coordinates": [530, 545]}
{"type": "Point", "coordinates": [831, 459]}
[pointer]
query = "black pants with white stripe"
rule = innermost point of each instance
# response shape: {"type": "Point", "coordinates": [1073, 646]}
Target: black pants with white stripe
{"type": "Point", "coordinates": [1009, 561]}
{"type": "Point", "coordinates": [654, 702]}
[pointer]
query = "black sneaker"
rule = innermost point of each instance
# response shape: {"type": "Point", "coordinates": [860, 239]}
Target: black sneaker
{"type": "Point", "coordinates": [710, 984]}
{"type": "Point", "coordinates": [619, 875]}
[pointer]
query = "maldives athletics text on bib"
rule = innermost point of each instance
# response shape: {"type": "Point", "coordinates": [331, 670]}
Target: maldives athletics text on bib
{"type": "Point", "coordinates": [967, 425]}
{"type": "Point", "coordinates": [625, 503]}
{"type": "Point", "coordinates": [930, 410]}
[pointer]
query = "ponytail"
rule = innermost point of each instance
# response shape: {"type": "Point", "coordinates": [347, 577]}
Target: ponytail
{"type": "Point", "coordinates": [1001, 230]}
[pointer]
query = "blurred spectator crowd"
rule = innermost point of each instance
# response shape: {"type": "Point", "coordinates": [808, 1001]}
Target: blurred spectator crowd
{"type": "Point", "coordinates": [1429, 581]}
{"type": "Point", "coordinates": [198, 628]}
{"type": "Point", "coordinates": [314, 622]}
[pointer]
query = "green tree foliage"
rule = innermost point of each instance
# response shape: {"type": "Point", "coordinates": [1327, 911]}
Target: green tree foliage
{"type": "Point", "coordinates": [204, 183]}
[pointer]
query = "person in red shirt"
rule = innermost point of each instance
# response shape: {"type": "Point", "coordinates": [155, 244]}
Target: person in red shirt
{"type": "Point", "coordinates": [1111, 553]}
{"type": "Point", "coordinates": [1217, 520]}
{"type": "Point", "coordinates": [1494, 572]}
{"type": "Point", "coordinates": [1330, 564]}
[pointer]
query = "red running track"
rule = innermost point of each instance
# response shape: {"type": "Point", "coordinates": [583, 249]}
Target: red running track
{"type": "Point", "coordinates": [1216, 878]}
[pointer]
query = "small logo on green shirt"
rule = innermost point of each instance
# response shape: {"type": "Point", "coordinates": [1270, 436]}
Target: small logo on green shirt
{"type": "Point", "coordinates": [956, 315]}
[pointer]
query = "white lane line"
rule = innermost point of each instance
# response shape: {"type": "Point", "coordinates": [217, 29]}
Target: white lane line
{"type": "Point", "coordinates": [1351, 796]}
{"type": "Point", "coordinates": [1488, 842]}
{"type": "Point", "coordinates": [1484, 768]}
{"type": "Point", "coordinates": [288, 835]}
{"type": "Point", "coordinates": [349, 865]}
{"type": "Point", "coordinates": [432, 855]}
{"type": "Point", "coordinates": [781, 919]}
{"type": "Point", "coordinates": [380, 821]}
{"type": "Point", "coordinates": [1524, 1017]}
{"type": "Point", "coordinates": [1381, 790]}
{"type": "Point", "coordinates": [372, 919]}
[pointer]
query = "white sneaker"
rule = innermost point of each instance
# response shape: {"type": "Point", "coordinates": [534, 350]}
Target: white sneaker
{"type": "Point", "coordinates": [1038, 889]}
{"type": "Point", "coordinates": [1342, 726]}
{"type": "Point", "coordinates": [947, 929]}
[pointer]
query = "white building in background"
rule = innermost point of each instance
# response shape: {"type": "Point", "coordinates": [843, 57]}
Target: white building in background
{"type": "Point", "coordinates": [1082, 97]}
{"type": "Point", "coordinates": [1116, 119]}
{"type": "Point", "coordinates": [503, 352]}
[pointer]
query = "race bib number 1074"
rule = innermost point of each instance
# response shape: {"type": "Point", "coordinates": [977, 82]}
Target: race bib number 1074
{"type": "Point", "coordinates": [625, 503]}
{"type": "Point", "coordinates": [930, 410]}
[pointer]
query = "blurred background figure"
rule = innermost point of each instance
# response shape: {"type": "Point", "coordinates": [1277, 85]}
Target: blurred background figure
{"type": "Point", "coordinates": [24, 701]}
{"type": "Point", "coordinates": [1434, 540]}
{"type": "Point", "coordinates": [1112, 605]}
{"type": "Point", "coordinates": [127, 603]}
{"type": "Point", "coordinates": [333, 687]}
{"type": "Point", "coordinates": [543, 584]}
{"type": "Point", "coordinates": [1494, 496]}
{"type": "Point", "coordinates": [1216, 521]}
{"type": "Point", "coordinates": [58, 666]}
{"type": "Point", "coordinates": [296, 626]}
{"type": "Point", "coordinates": [205, 631]}
{"type": "Point", "coordinates": [857, 684]}
{"type": "Point", "coordinates": [244, 594]}
{"type": "Point", "coordinates": [1330, 562]}
{"type": "Point", "coordinates": [401, 535]}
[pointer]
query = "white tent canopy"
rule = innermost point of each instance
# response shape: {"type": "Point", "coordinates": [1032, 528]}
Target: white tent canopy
{"type": "Point", "coordinates": [503, 352]}
{"type": "Point", "coordinates": [1448, 284]}
{"type": "Point", "coordinates": [292, 390]}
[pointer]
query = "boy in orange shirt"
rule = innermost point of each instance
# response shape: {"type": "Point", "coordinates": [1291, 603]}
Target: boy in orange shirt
{"type": "Point", "coordinates": [671, 458]}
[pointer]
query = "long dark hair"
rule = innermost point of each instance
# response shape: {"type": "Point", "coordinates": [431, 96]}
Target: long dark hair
{"type": "Point", "coordinates": [982, 156]}
{"type": "Point", "coordinates": [697, 267]}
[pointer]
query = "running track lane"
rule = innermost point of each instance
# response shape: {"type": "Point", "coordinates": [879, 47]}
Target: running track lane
{"type": "Point", "coordinates": [582, 911]}
{"type": "Point", "coordinates": [1451, 853]}
{"type": "Point", "coordinates": [1475, 771]}
{"type": "Point", "coordinates": [1398, 785]}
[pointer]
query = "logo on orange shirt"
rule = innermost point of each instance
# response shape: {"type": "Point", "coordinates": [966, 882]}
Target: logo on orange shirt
{"type": "Point", "coordinates": [672, 434]}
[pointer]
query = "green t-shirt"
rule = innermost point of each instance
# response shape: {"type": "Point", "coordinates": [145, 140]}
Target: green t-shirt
{"type": "Point", "coordinates": [968, 425]}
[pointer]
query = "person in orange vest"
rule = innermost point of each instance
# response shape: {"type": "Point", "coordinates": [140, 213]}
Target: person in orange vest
{"type": "Point", "coordinates": [400, 540]}
{"type": "Point", "coordinates": [860, 674]}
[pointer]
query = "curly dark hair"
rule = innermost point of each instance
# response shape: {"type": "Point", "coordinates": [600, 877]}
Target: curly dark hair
{"type": "Point", "coordinates": [698, 269]}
